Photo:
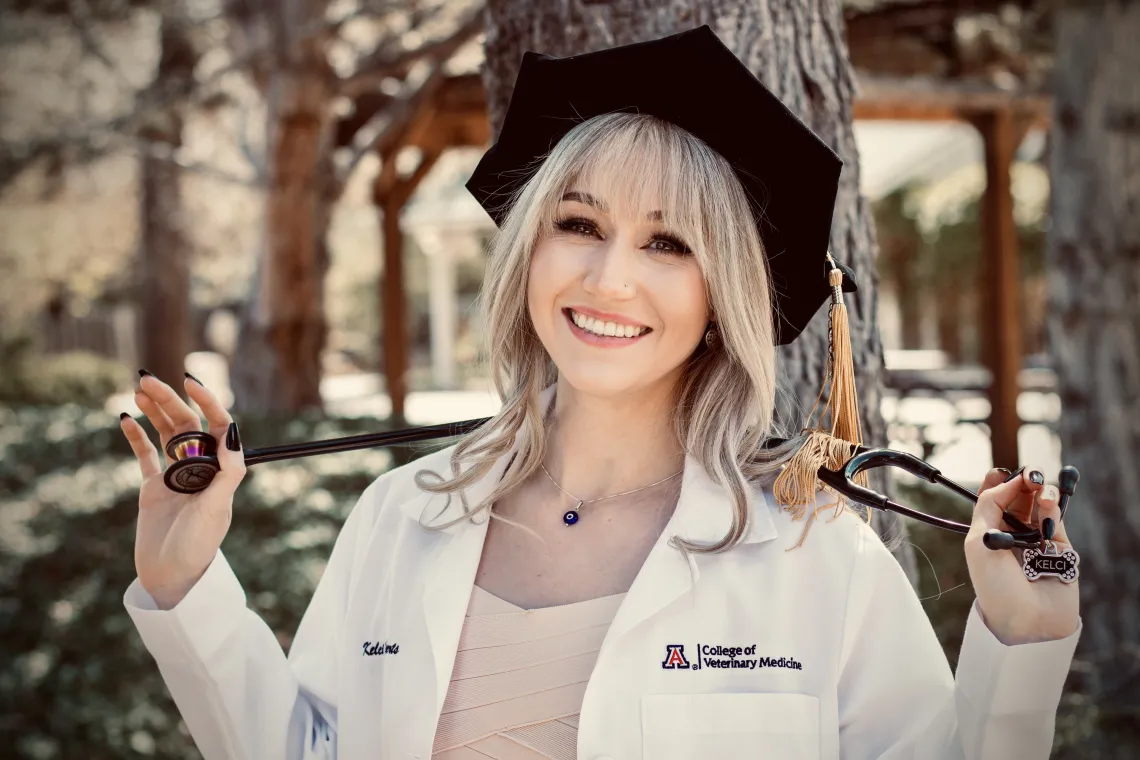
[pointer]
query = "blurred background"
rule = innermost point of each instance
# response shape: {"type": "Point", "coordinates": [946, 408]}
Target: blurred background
{"type": "Point", "coordinates": [270, 196]}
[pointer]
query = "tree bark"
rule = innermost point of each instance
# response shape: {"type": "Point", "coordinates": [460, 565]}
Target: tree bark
{"type": "Point", "coordinates": [277, 365]}
{"type": "Point", "coordinates": [164, 252]}
{"type": "Point", "coordinates": [797, 48]}
{"type": "Point", "coordinates": [1093, 326]}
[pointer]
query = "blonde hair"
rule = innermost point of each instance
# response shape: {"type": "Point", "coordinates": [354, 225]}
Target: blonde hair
{"type": "Point", "coordinates": [726, 399]}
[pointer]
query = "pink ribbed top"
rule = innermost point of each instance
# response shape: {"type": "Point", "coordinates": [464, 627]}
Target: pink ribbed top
{"type": "Point", "coordinates": [519, 678]}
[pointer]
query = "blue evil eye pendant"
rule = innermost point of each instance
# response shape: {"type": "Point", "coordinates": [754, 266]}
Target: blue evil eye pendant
{"type": "Point", "coordinates": [571, 516]}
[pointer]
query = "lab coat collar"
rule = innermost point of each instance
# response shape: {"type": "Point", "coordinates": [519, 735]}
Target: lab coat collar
{"type": "Point", "coordinates": [704, 508]}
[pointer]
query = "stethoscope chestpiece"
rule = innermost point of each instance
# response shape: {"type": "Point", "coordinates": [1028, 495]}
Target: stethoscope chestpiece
{"type": "Point", "coordinates": [193, 462]}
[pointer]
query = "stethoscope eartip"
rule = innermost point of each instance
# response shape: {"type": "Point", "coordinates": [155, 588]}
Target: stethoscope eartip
{"type": "Point", "coordinates": [997, 539]}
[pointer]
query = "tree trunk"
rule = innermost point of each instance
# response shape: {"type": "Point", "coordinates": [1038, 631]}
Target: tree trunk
{"type": "Point", "coordinates": [1093, 270]}
{"type": "Point", "coordinates": [277, 365]}
{"type": "Point", "coordinates": [797, 49]}
{"type": "Point", "coordinates": [164, 252]}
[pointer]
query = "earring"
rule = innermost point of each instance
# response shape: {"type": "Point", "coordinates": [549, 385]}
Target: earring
{"type": "Point", "coordinates": [711, 337]}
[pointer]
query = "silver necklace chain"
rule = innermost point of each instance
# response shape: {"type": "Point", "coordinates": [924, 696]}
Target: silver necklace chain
{"type": "Point", "coordinates": [571, 515]}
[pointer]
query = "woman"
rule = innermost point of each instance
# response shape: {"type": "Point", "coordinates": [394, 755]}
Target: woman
{"type": "Point", "coordinates": [601, 571]}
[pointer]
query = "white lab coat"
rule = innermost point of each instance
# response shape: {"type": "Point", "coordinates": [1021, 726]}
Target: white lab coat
{"type": "Point", "coordinates": [861, 676]}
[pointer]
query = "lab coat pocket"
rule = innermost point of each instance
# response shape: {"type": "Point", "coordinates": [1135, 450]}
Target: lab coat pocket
{"type": "Point", "coordinates": [732, 726]}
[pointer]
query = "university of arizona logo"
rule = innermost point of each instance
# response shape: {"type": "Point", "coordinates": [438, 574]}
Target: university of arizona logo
{"type": "Point", "coordinates": [674, 657]}
{"type": "Point", "coordinates": [718, 656]}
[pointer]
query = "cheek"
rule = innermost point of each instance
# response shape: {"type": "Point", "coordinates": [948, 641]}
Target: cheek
{"type": "Point", "coordinates": [684, 304]}
{"type": "Point", "coordinates": [543, 281]}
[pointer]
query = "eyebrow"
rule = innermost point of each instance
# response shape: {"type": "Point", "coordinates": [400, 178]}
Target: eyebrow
{"type": "Point", "coordinates": [589, 200]}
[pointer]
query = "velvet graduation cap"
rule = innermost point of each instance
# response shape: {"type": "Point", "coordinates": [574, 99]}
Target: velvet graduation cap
{"type": "Point", "coordinates": [789, 174]}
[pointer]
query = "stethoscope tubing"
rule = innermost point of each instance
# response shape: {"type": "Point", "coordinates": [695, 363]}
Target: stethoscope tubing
{"type": "Point", "coordinates": [843, 481]}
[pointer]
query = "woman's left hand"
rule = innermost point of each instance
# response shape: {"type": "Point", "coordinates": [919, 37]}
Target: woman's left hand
{"type": "Point", "coordinates": [1015, 609]}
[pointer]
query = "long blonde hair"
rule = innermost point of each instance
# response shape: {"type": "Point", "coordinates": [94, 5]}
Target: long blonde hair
{"type": "Point", "coordinates": [726, 399]}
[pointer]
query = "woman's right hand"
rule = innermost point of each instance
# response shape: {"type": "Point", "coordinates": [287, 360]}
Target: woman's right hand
{"type": "Point", "coordinates": [178, 535]}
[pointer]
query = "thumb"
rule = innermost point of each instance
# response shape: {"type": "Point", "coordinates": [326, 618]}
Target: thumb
{"type": "Point", "coordinates": [997, 499]}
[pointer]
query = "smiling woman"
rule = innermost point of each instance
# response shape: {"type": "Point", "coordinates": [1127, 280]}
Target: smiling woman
{"type": "Point", "coordinates": [632, 224]}
{"type": "Point", "coordinates": [595, 572]}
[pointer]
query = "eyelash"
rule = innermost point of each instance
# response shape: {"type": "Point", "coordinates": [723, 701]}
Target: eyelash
{"type": "Point", "coordinates": [569, 225]}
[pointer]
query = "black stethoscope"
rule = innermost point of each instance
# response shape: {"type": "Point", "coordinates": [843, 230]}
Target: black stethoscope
{"type": "Point", "coordinates": [194, 464]}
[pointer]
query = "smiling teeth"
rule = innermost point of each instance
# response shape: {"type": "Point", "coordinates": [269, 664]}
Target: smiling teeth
{"type": "Point", "coordinates": [598, 327]}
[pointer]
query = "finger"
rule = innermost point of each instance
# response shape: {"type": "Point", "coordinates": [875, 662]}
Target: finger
{"type": "Point", "coordinates": [1023, 505]}
{"type": "Point", "coordinates": [1048, 507]}
{"type": "Point", "coordinates": [179, 412]}
{"type": "Point", "coordinates": [162, 424]}
{"type": "Point", "coordinates": [217, 417]}
{"type": "Point", "coordinates": [1016, 495]}
{"type": "Point", "coordinates": [147, 455]}
{"type": "Point", "coordinates": [231, 458]}
{"type": "Point", "coordinates": [993, 477]}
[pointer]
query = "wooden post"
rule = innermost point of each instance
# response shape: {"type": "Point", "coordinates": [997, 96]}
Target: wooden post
{"type": "Point", "coordinates": [1000, 318]}
{"type": "Point", "coordinates": [390, 192]}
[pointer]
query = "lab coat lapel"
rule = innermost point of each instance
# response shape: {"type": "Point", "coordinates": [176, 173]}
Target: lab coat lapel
{"type": "Point", "coordinates": [704, 515]}
{"type": "Point", "coordinates": [451, 567]}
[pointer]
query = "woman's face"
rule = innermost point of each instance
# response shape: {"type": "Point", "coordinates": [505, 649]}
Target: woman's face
{"type": "Point", "coordinates": [619, 303]}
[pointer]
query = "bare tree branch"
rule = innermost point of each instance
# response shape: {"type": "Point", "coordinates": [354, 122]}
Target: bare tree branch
{"type": "Point", "coordinates": [163, 152]}
{"type": "Point", "coordinates": [395, 119]}
{"type": "Point", "coordinates": [381, 63]}
{"type": "Point", "coordinates": [80, 20]}
{"type": "Point", "coordinates": [256, 160]}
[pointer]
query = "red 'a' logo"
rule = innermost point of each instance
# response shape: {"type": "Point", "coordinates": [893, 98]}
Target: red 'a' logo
{"type": "Point", "coordinates": [674, 657]}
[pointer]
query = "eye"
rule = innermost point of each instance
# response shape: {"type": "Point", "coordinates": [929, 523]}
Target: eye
{"type": "Point", "coordinates": [578, 226]}
{"type": "Point", "coordinates": [671, 245]}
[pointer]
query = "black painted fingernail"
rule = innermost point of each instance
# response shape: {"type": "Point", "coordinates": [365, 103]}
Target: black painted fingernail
{"type": "Point", "coordinates": [1002, 469]}
{"type": "Point", "coordinates": [1037, 478]}
{"type": "Point", "coordinates": [233, 441]}
{"type": "Point", "coordinates": [145, 373]}
{"type": "Point", "coordinates": [123, 416]}
{"type": "Point", "coordinates": [193, 378]}
{"type": "Point", "coordinates": [1047, 528]}
{"type": "Point", "coordinates": [1014, 474]}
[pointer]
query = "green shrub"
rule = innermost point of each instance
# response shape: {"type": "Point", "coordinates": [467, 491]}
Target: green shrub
{"type": "Point", "coordinates": [76, 377]}
{"type": "Point", "coordinates": [75, 680]}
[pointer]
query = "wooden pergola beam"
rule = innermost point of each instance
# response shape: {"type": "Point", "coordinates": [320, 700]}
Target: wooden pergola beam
{"type": "Point", "coordinates": [925, 99]}
{"type": "Point", "coordinates": [453, 116]}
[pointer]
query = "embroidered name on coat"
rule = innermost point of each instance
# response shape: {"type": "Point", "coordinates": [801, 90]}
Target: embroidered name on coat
{"type": "Point", "coordinates": [372, 648]}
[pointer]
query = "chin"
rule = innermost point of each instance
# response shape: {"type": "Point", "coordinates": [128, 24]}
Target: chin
{"type": "Point", "coordinates": [613, 380]}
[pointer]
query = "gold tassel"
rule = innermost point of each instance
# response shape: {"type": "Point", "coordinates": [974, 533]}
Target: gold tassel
{"type": "Point", "coordinates": [797, 485]}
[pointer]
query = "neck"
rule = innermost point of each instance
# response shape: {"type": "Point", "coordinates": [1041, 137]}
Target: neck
{"type": "Point", "coordinates": [598, 446]}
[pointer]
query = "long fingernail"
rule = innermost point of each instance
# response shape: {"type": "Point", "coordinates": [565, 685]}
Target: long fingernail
{"type": "Point", "coordinates": [145, 373]}
{"type": "Point", "coordinates": [1036, 478]}
{"type": "Point", "coordinates": [1047, 528]}
{"type": "Point", "coordinates": [1014, 474]}
{"type": "Point", "coordinates": [233, 441]}
{"type": "Point", "coordinates": [1002, 469]}
{"type": "Point", "coordinates": [123, 416]}
{"type": "Point", "coordinates": [193, 378]}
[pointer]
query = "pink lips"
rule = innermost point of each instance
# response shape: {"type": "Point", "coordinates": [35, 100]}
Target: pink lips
{"type": "Point", "coordinates": [602, 341]}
